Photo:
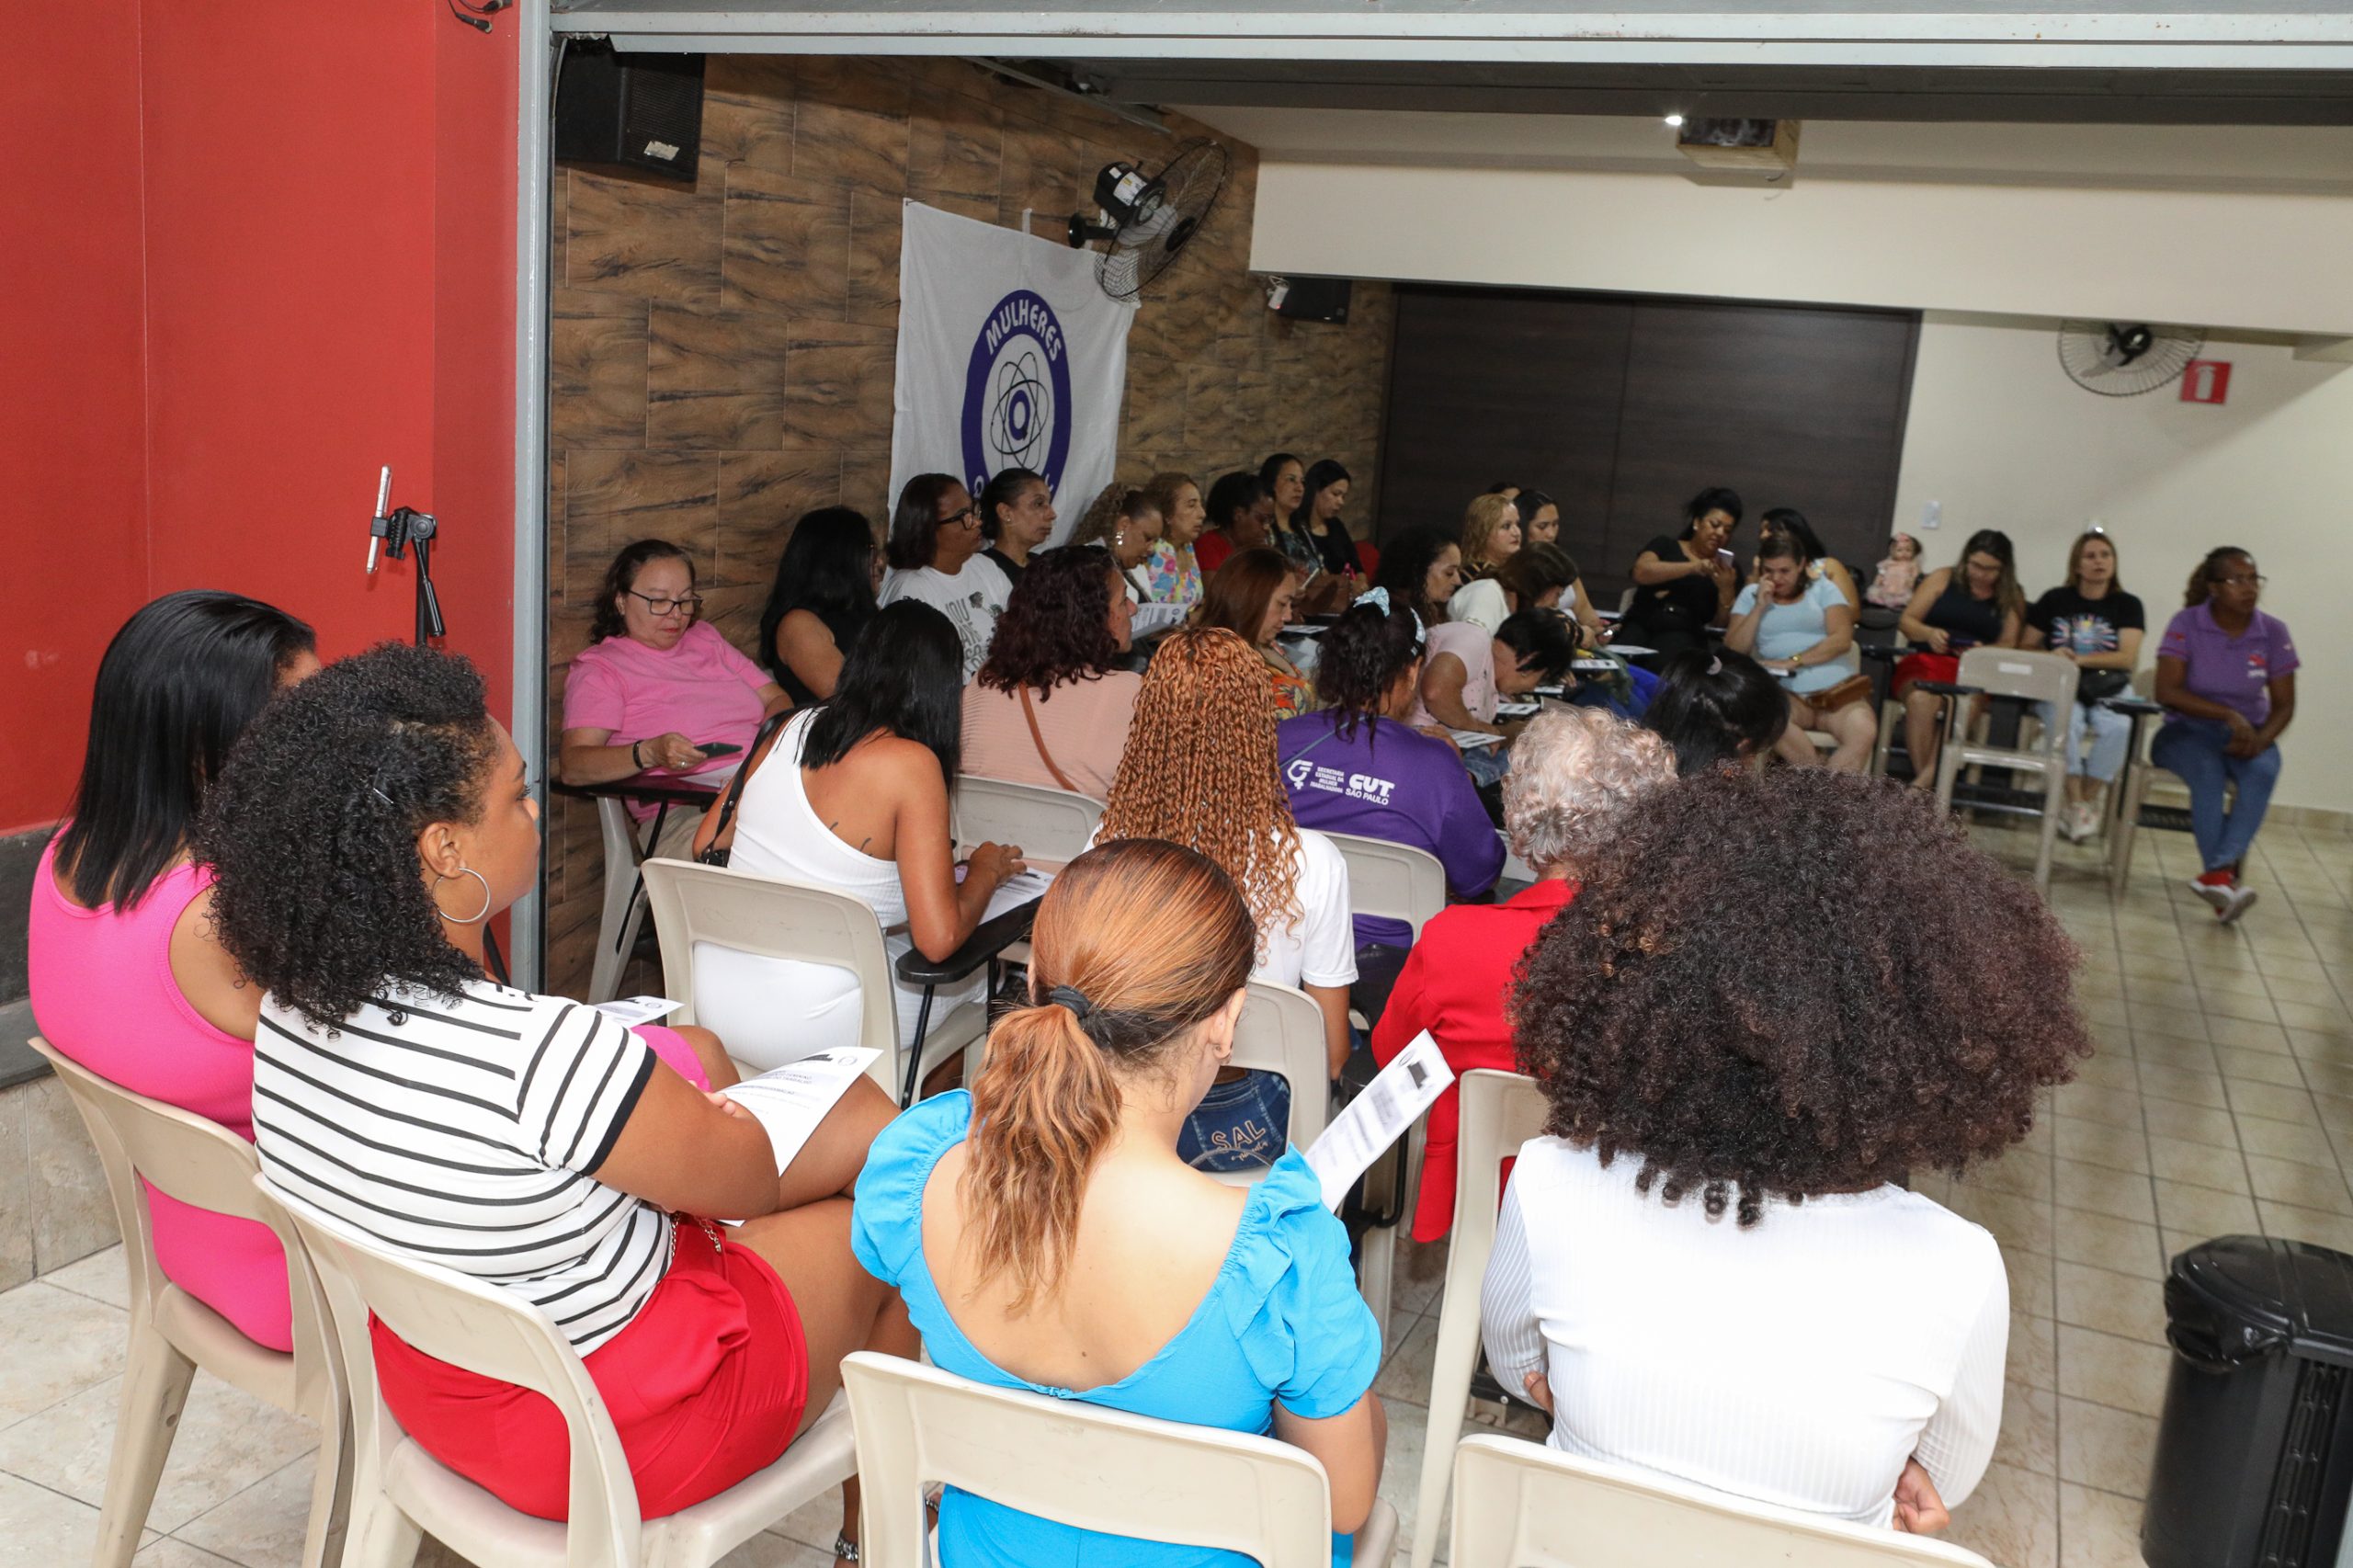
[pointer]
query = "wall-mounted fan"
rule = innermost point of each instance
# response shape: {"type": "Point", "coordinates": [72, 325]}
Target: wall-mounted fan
{"type": "Point", "coordinates": [2125, 359]}
{"type": "Point", "coordinates": [1147, 220]}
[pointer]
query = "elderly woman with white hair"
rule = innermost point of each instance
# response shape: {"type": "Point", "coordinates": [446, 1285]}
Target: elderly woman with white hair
{"type": "Point", "coordinates": [1573, 771]}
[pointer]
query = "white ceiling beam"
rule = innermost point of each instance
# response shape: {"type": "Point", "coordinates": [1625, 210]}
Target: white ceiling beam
{"type": "Point", "coordinates": [1431, 30]}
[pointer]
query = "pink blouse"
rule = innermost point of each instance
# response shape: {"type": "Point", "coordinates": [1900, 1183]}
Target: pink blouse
{"type": "Point", "coordinates": [103, 993]}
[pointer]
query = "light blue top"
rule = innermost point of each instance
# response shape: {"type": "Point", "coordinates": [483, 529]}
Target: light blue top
{"type": "Point", "coordinates": [1282, 1321]}
{"type": "Point", "coordinates": [1790, 630]}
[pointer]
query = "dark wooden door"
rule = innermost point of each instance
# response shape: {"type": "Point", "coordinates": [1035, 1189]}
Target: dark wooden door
{"type": "Point", "coordinates": [1621, 407]}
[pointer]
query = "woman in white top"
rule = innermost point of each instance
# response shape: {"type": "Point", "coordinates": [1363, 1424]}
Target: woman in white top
{"type": "Point", "coordinates": [1199, 770]}
{"type": "Point", "coordinates": [1715, 1273]}
{"type": "Point", "coordinates": [364, 832]}
{"type": "Point", "coordinates": [934, 554]}
{"type": "Point", "coordinates": [853, 796]}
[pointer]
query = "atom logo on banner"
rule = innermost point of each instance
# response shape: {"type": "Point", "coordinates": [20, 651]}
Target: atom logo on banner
{"type": "Point", "coordinates": [1017, 393]}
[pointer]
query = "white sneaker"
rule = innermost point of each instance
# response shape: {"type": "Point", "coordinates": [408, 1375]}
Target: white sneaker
{"type": "Point", "coordinates": [2242, 899]}
{"type": "Point", "coordinates": [2087, 821]}
{"type": "Point", "coordinates": [2217, 895]}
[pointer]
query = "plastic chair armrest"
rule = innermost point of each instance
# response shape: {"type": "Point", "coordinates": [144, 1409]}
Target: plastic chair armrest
{"type": "Point", "coordinates": [1948, 688]}
{"type": "Point", "coordinates": [988, 939]}
{"type": "Point", "coordinates": [2133, 707]}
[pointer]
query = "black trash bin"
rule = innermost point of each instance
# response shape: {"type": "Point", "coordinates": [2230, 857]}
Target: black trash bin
{"type": "Point", "coordinates": [2254, 1455]}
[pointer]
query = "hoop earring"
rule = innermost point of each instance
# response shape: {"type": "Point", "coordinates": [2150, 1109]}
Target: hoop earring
{"type": "Point", "coordinates": [478, 915]}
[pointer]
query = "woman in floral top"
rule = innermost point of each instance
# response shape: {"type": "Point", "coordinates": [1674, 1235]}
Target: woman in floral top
{"type": "Point", "coordinates": [1172, 570]}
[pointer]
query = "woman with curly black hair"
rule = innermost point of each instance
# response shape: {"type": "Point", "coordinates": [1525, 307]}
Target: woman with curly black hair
{"type": "Point", "coordinates": [366, 832]}
{"type": "Point", "coordinates": [1356, 765]}
{"type": "Point", "coordinates": [1051, 707]}
{"type": "Point", "coordinates": [1709, 1267]}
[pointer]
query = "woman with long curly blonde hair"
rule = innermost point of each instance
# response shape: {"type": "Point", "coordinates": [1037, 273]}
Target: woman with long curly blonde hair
{"type": "Point", "coordinates": [1199, 770]}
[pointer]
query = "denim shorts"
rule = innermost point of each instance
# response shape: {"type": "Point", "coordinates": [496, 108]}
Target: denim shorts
{"type": "Point", "coordinates": [1240, 1126]}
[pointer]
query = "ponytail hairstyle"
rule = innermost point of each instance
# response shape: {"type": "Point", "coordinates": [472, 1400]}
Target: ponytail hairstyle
{"type": "Point", "coordinates": [1005, 486]}
{"type": "Point", "coordinates": [1118, 502]}
{"type": "Point", "coordinates": [1360, 658]}
{"type": "Point", "coordinates": [2210, 572]}
{"type": "Point", "coordinates": [1136, 943]}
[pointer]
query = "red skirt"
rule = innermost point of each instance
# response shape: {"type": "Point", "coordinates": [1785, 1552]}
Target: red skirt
{"type": "Point", "coordinates": [1943, 667]}
{"type": "Point", "coordinates": [706, 1386]}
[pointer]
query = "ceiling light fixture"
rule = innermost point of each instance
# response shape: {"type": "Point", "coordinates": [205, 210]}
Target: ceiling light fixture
{"type": "Point", "coordinates": [1676, 121]}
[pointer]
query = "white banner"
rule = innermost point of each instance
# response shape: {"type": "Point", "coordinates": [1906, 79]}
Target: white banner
{"type": "Point", "coordinates": [1010, 356]}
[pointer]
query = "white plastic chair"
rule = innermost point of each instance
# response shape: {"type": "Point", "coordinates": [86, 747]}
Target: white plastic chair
{"type": "Point", "coordinates": [2033, 677]}
{"type": "Point", "coordinates": [778, 918]}
{"type": "Point", "coordinates": [1522, 1505]}
{"type": "Point", "coordinates": [1500, 1111]}
{"type": "Point", "coordinates": [1391, 882]}
{"type": "Point", "coordinates": [1049, 825]}
{"type": "Point", "coordinates": [1086, 1466]}
{"type": "Point", "coordinates": [398, 1491]}
{"type": "Point", "coordinates": [1281, 1031]}
{"type": "Point", "coordinates": [173, 1333]}
{"type": "Point", "coordinates": [625, 846]}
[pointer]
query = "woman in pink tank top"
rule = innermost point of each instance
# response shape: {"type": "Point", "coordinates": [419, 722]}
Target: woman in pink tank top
{"type": "Point", "coordinates": [126, 977]}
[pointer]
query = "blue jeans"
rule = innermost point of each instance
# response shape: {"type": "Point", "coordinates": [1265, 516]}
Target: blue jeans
{"type": "Point", "coordinates": [2110, 733]}
{"type": "Point", "coordinates": [2193, 749]}
{"type": "Point", "coordinates": [1488, 764]}
{"type": "Point", "coordinates": [1240, 1126]}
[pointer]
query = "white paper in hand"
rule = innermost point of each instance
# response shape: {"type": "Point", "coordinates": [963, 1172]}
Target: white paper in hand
{"type": "Point", "coordinates": [1395, 1098]}
{"type": "Point", "coordinates": [631, 1011]}
{"type": "Point", "coordinates": [791, 1100]}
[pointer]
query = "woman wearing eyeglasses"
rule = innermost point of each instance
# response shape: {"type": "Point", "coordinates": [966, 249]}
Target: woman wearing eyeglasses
{"type": "Point", "coordinates": [2226, 673]}
{"type": "Point", "coordinates": [657, 689]}
{"type": "Point", "coordinates": [934, 554]}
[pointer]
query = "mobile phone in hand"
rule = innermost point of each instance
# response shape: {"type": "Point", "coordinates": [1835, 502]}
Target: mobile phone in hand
{"type": "Point", "coordinates": [718, 748]}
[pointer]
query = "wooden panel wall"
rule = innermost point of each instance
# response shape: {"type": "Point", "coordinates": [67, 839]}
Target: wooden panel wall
{"type": "Point", "coordinates": [722, 355]}
{"type": "Point", "coordinates": [1621, 407]}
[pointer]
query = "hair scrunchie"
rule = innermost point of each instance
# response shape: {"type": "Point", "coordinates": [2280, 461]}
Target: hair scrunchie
{"type": "Point", "coordinates": [1071, 997]}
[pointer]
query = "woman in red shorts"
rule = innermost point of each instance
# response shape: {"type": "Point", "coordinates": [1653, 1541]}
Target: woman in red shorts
{"type": "Point", "coordinates": [367, 830]}
{"type": "Point", "coordinates": [1954, 608]}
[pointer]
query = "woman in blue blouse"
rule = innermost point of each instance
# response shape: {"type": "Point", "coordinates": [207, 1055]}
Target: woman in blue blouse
{"type": "Point", "coordinates": [1235, 1308]}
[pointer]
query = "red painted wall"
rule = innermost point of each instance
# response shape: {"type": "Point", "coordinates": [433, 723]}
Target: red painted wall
{"type": "Point", "coordinates": [73, 477]}
{"type": "Point", "coordinates": [277, 252]}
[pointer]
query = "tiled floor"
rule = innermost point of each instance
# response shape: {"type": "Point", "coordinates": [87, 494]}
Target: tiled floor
{"type": "Point", "coordinates": [2222, 1099]}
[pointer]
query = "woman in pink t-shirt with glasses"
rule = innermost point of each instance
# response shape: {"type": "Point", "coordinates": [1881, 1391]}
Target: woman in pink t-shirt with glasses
{"type": "Point", "coordinates": [658, 689]}
{"type": "Point", "coordinates": [128, 978]}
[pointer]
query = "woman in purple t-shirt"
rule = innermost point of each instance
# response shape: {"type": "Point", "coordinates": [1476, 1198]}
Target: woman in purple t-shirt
{"type": "Point", "coordinates": [2226, 672]}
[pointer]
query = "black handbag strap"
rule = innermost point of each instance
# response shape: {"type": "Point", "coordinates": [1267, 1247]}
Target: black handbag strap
{"type": "Point", "coordinates": [720, 846]}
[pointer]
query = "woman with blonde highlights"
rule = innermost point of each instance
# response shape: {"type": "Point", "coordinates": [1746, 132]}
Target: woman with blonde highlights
{"type": "Point", "coordinates": [1012, 1216]}
{"type": "Point", "coordinates": [1199, 770]}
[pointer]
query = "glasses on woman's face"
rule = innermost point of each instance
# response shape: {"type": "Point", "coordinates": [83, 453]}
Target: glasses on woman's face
{"type": "Point", "coordinates": [2243, 580]}
{"type": "Point", "coordinates": [686, 606]}
{"type": "Point", "coordinates": [957, 519]}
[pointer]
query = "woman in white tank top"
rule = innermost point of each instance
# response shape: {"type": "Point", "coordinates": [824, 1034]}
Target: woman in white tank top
{"type": "Point", "coordinates": [852, 795]}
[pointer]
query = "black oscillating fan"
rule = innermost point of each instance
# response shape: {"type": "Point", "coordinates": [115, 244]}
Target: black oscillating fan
{"type": "Point", "coordinates": [2125, 359]}
{"type": "Point", "coordinates": [1147, 220]}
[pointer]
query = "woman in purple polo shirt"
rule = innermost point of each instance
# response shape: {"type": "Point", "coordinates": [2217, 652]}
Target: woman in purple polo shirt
{"type": "Point", "coordinates": [1356, 765]}
{"type": "Point", "coordinates": [2226, 672]}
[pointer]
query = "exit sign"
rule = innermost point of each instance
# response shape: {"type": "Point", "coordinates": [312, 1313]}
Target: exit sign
{"type": "Point", "coordinates": [2206, 381]}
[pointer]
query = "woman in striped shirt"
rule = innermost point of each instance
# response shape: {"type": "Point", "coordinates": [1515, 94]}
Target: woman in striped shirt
{"type": "Point", "coordinates": [365, 835]}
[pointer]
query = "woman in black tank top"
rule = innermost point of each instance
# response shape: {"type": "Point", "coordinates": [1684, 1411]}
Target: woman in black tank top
{"type": "Point", "coordinates": [1956, 607]}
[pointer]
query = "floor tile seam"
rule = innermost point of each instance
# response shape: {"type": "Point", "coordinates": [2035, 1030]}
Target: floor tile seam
{"type": "Point", "coordinates": [309, 1454]}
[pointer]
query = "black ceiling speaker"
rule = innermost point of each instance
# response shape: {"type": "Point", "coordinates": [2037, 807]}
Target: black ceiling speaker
{"type": "Point", "coordinates": [630, 113]}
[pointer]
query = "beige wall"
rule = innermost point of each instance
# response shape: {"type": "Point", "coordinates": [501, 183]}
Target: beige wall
{"type": "Point", "coordinates": [2002, 440]}
{"type": "Point", "coordinates": [2252, 260]}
